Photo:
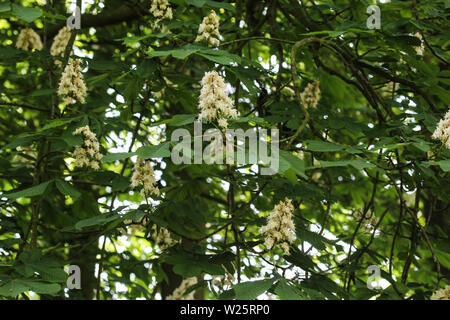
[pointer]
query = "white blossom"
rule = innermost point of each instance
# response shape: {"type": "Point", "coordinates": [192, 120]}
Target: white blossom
{"type": "Point", "coordinates": [60, 43]}
{"type": "Point", "coordinates": [214, 102]}
{"type": "Point", "coordinates": [143, 175]}
{"type": "Point", "coordinates": [419, 49]}
{"type": "Point", "coordinates": [162, 238]}
{"type": "Point", "coordinates": [441, 294]}
{"type": "Point", "coordinates": [161, 9]}
{"type": "Point", "coordinates": [71, 86]}
{"type": "Point", "coordinates": [209, 30]}
{"type": "Point", "coordinates": [442, 131]}
{"type": "Point", "coordinates": [88, 154]}
{"type": "Point", "coordinates": [28, 39]}
{"type": "Point", "coordinates": [280, 228]}
{"type": "Point", "coordinates": [311, 95]}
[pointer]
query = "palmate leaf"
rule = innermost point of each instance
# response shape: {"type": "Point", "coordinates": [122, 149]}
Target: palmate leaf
{"type": "Point", "coordinates": [158, 151]}
{"type": "Point", "coordinates": [15, 287]}
{"type": "Point", "coordinates": [5, 6]}
{"type": "Point", "coordinates": [67, 189]}
{"type": "Point", "coordinates": [252, 289]}
{"type": "Point", "coordinates": [117, 156]}
{"type": "Point", "coordinates": [322, 146]}
{"type": "Point", "coordinates": [287, 292]}
{"type": "Point", "coordinates": [29, 192]}
{"type": "Point", "coordinates": [288, 161]}
{"type": "Point", "coordinates": [26, 13]}
{"type": "Point", "coordinates": [97, 220]}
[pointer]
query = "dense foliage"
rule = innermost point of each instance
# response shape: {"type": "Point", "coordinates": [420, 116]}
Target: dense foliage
{"type": "Point", "coordinates": [367, 183]}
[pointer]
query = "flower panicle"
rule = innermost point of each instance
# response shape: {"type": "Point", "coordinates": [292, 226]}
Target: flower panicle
{"type": "Point", "coordinates": [214, 102]}
{"type": "Point", "coordinates": [28, 39]}
{"type": "Point", "coordinates": [161, 10]}
{"type": "Point", "coordinates": [143, 175]}
{"type": "Point", "coordinates": [208, 30]}
{"type": "Point", "coordinates": [88, 154]}
{"type": "Point", "coordinates": [60, 43]}
{"type": "Point", "coordinates": [442, 294]}
{"type": "Point", "coordinates": [442, 131]}
{"type": "Point", "coordinates": [311, 95]}
{"type": "Point", "coordinates": [280, 228]}
{"type": "Point", "coordinates": [72, 87]}
{"type": "Point", "coordinates": [163, 238]}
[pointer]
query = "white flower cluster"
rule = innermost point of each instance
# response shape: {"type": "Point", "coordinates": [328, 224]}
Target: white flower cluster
{"type": "Point", "coordinates": [162, 238]}
{"type": "Point", "coordinates": [419, 49]}
{"type": "Point", "coordinates": [368, 221]}
{"type": "Point", "coordinates": [88, 154]}
{"type": "Point", "coordinates": [441, 294]}
{"type": "Point", "coordinates": [209, 30]}
{"type": "Point", "coordinates": [71, 86]}
{"type": "Point", "coordinates": [143, 175]}
{"type": "Point", "coordinates": [60, 43]}
{"type": "Point", "coordinates": [442, 131]}
{"type": "Point", "coordinates": [179, 293]}
{"type": "Point", "coordinates": [28, 39]}
{"type": "Point", "coordinates": [280, 227]}
{"type": "Point", "coordinates": [161, 9]}
{"type": "Point", "coordinates": [214, 100]}
{"type": "Point", "coordinates": [311, 95]}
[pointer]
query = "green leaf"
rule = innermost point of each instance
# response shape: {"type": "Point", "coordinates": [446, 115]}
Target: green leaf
{"type": "Point", "coordinates": [53, 16]}
{"type": "Point", "coordinates": [181, 120]}
{"type": "Point", "coordinates": [444, 164]}
{"type": "Point", "coordinates": [25, 13]}
{"type": "Point", "coordinates": [181, 53]}
{"type": "Point", "coordinates": [357, 164]}
{"type": "Point", "coordinates": [67, 189]}
{"type": "Point", "coordinates": [23, 140]}
{"type": "Point", "coordinates": [288, 160]}
{"type": "Point", "coordinates": [252, 289]}
{"type": "Point", "coordinates": [254, 119]}
{"type": "Point", "coordinates": [313, 238]}
{"type": "Point", "coordinates": [13, 288]}
{"type": "Point", "coordinates": [218, 59]}
{"type": "Point", "coordinates": [160, 53]}
{"type": "Point", "coordinates": [322, 146]}
{"type": "Point", "coordinates": [286, 292]}
{"type": "Point", "coordinates": [300, 259]}
{"type": "Point", "coordinates": [134, 215]}
{"type": "Point", "coordinates": [217, 4]}
{"type": "Point", "coordinates": [30, 192]}
{"type": "Point", "coordinates": [57, 123]}
{"type": "Point", "coordinates": [117, 156]}
{"type": "Point", "coordinates": [197, 3]}
{"type": "Point", "coordinates": [43, 288]}
{"type": "Point", "coordinates": [5, 6]}
{"type": "Point", "coordinates": [159, 151]}
{"type": "Point", "coordinates": [132, 90]}
{"type": "Point", "coordinates": [97, 221]}
{"type": "Point", "coordinates": [42, 92]}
